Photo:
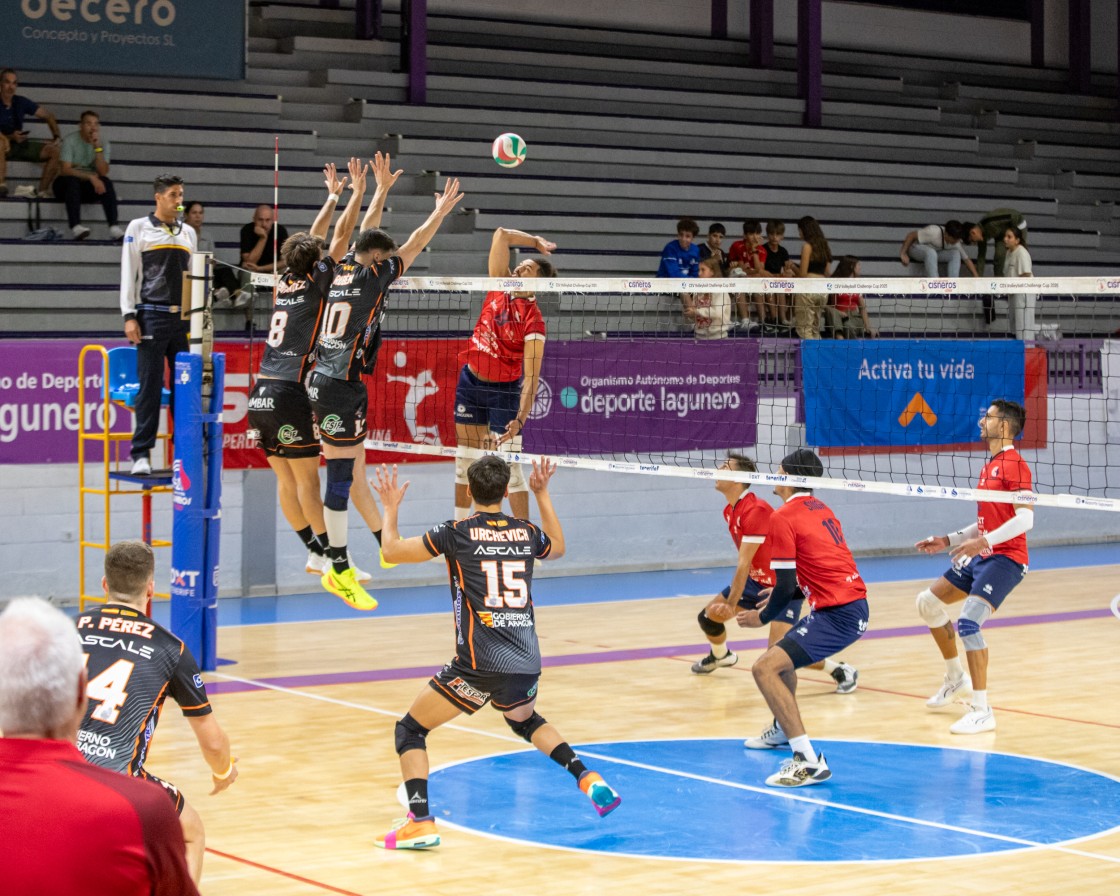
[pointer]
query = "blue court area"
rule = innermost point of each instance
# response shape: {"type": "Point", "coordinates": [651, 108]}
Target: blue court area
{"type": "Point", "coordinates": [705, 800]}
{"type": "Point", "coordinates": [565, 590]}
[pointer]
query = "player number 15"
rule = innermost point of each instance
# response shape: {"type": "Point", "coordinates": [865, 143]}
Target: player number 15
{"type": "Point", "coordinates": [507, 573]}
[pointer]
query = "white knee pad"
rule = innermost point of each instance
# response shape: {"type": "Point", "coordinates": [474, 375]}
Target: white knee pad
{"type": "Point", "coordinates": [517, 481]}
{"type": "Point", "coordinates": [932, 610]}
{"type": "Point", "coordinates": [461, 466]}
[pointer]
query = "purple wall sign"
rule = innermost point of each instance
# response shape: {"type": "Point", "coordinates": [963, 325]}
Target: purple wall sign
{"type": "Point", "coordinates": [39, 410]}
{"type": "Point", "coordinates": [645, 396]}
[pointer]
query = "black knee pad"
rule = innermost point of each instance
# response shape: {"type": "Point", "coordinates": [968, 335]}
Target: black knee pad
{"type": "Point", "coordinates": [410, 735]}
{"type": "Point", "coordinates": [527, 728]}
{"type": "Point", "coordinates": [340, 476]}
{"type": "Point", "coordinates": [708, 626]}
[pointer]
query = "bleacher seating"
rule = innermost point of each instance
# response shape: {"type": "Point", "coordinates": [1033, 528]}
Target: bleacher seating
{"type": "Point", "coordinates": [627, 132]}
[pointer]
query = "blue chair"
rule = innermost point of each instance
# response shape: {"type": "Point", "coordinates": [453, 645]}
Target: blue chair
{"type": "Point", "coordinates": [124, 383]}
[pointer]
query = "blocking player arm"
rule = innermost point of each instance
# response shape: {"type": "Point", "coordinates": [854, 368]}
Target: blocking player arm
{"type": "Point", "coordinates": [384, 178]}
{"type": "Point", "coordinates": [422, 235]}
{"type": "Point", "coordinates": [395, 549]}
{"type": "Point", "coordinates": [784, 591]}
{"type": "Point", "coordinates": [334, 185]}
{"type": "Point", "coordinates": [344, 226]}
{"type": "Point", "coordinates": [1021, 523]}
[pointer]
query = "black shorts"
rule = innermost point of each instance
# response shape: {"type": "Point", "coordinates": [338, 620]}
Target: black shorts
{"type": "Point", "coordinates": [170, 789]}
{"type": "Point", "coordinates": [750, 601]}
{"type": "Point", "coordinates": [471, 689]}
{"type": "Point", "coordinates": [280, 413]}
{"type": "Point", "coordinates": [340, 409]}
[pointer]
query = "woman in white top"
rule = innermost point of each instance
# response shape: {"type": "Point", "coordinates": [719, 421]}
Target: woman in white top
{"type": "Point", "coordinates": [1017, 263]}
{"type": "Point", "coordinates": [710, 312]}
{"type": "Point", "coordinates": [937, 243]}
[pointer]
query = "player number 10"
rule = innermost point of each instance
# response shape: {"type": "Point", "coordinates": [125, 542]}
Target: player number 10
{"type": "Point", "coordinates": [507, 573]}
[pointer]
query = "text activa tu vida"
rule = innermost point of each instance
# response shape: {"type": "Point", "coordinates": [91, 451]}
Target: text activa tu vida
{"type": "Point", "coordinates": [888, 369]}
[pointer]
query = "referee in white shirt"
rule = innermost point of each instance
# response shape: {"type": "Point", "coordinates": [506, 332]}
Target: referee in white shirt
{"type": "Point", "coordinates": [156, 253]}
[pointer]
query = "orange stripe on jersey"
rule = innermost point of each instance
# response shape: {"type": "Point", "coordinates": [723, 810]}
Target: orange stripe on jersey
{"type": "Point", "coordinates": [431, 547]}
{"type": "Point", "coordinates": [147, 716]}
{"type": "Point", "coordinates": [168, 246]}
{"type": "Point", "coordinates": [186, 709]}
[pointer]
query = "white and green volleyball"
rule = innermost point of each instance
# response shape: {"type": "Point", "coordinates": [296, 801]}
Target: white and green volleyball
{"type": "Point", "coordinates": [509, 150]}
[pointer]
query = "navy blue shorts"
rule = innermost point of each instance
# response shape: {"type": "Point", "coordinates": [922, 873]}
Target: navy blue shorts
{"type": "Point", "coordinates": [825, 632]}
{"type": "Point", "coordinates": [482, 403]}
{"type": "Point", "coordinates": [989, 578]}
{"type": "Point", "coordinates": [750, 599]}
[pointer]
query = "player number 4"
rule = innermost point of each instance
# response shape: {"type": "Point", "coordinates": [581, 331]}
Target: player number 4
{"type": "Point", "coordinates": [508, 573]}
{"type": "Point", "coordinates": [108, 690]}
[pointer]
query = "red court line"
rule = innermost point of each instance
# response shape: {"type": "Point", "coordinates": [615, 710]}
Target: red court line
{"type": "Point", "coordinates": [287, 874]}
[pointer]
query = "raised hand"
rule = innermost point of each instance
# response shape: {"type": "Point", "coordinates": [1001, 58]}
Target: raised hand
{"type": "Point", "coordinates": [383, 175]}
{"type": "Point", "coordinates": [357, 175]}
{"type": "Point", "coordinates": [449, 198]}
{"type": "Point", "coordinates": [331, 180]}
{"type": "Point", "coordinates": [542, 473]}
{"type": "Point", "coordinates": [385, 484]}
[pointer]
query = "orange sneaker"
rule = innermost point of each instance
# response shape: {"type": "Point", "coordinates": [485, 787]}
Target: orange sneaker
{"type": "Point", "coordinates": [601, 794]}
{"type": "Point", "coordinates": [411, 833]}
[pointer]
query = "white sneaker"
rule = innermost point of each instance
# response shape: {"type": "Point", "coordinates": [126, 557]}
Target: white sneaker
{"type": "Point", "coordinates": [141, 466]}
{"type": "Point", "coordinates": [799, 772]}
{"type": "Point", "coordinates": [27, 191]}
{"type": "Point", "coordinates": [360, 574]}
{"type": "Point", "coordinates": [116, 232]}
{"type": "Point", "coordinates": [79, 232]}
{"type": "Point", "coordinates": [846, 678]}
{"type": "Point", "coordinates": [975, 721]}
{"type": "Point", "coordinates": [770, 739]}
{"type": "Point", "coordinates": [951, 691]}
{"type": "Point", "coordinates": [316, 563]}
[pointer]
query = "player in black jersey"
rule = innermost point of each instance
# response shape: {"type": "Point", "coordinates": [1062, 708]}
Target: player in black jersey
{"type": "Point", "coordinates": [348, 342]}
{"type": "Point", "coordinates": [490, 558]}
{"type": "Point", "coordinates": [279, 409]}
{"type": "Point", "coordinates": [133, 663]}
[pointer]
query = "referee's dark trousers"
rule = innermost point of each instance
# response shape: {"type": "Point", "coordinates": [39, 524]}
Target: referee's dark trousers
{"type": "Point", "coordinates": [163, 335]}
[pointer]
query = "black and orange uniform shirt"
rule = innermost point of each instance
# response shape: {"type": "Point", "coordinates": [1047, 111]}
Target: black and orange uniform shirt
{"type": "Point", "coordinates": [133, 665]}
{"type": "Point", "coordinates": [294, 325]}
{"type": "Point", "coordinates": [490, 559]}
{"type": "Point", "coordinates": [350, 334]}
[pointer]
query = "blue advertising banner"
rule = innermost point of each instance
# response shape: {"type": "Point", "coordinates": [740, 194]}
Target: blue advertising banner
{"type": "Point", "coordinates": [647, 395]}
{"type": "Point", "coordinates": [904, 392]}
{"type": "Point", "coordinates": [196, 38]}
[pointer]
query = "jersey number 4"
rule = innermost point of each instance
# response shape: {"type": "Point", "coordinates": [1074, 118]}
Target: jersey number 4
{"type": "Point", "coordinates": [108, 690]}
{"type": "Point", "coordinates": [505, 583]}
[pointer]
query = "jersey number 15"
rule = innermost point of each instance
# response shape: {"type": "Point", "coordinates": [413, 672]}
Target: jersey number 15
{"type": "Point", "coordinates": [505, 583]}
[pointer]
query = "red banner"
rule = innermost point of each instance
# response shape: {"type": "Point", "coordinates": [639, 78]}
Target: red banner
{"type": "Point", "coordinates": [411, 398]}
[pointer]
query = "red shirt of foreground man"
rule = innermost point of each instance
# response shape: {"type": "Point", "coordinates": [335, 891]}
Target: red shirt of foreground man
{"type": "Point", "coordinates": [70, 827]}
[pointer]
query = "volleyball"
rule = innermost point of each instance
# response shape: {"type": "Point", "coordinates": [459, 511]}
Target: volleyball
{"type": "Point", "coordinates": [509, 150]}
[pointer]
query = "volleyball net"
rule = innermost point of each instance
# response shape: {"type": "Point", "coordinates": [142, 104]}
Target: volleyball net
{"type": "Point", "coordinates": [627, 384]}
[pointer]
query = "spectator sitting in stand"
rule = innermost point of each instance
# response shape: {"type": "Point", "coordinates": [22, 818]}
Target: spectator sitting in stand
{"type": "Point", "coordinates": [845, 314]}
{"type": "Point", "coordinates": [260, 252]}
{"type": "Point", "coordinates": [746, 261]}
{"type": "Point", "coordinates": [225, 281]}
{"type": "Point", "coordinates": [85, 177]}
{"type": "Point", "coordinates": [680, 259]}
{"type": "Point", "coordinates": [15, 142]}
{"type": "Point", "coordinates": [710, 312]}
{"type": "Point", "coordinates": [777, 308]}
{"type": "Point", "coordinates": [939, 243]}
{"type": "Point", "coordinates": [714, 246]}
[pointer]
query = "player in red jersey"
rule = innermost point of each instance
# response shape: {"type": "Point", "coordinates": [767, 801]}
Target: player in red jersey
{"type": "Point", "coordinates": [989, 560]}
{"type": "Point", "coordinates": [490, 560]}
{"type": "Point", "coordinates": [807, 551]}
{"type": "Point", "coordinates": [748, 522]}
{"type": "Point", "coordinates": [501, 367]}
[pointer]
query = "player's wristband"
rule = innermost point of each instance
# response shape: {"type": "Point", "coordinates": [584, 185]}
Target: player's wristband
{"type": "Point", "coordinates": [334, 197]}
{"type": "Point", "coordinates": [521, 424]}
{"type": "Point", "coordinates": [98, 149]}
{"type": "Point", "coordinates": [226, 773]}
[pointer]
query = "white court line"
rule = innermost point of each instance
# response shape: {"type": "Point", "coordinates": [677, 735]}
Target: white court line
{"type": "Point", "coordinates": [751, 788]}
